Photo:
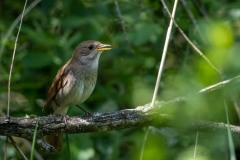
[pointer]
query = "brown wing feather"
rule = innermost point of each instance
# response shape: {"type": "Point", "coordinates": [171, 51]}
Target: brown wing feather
{"type": "Point", "coordinates": [56, 86]}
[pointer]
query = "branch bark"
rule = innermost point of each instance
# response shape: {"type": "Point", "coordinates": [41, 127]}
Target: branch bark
{"type": "Point", "coordinates": [127, 118]}
{"type": "Point", "coordinates": [139, 117]}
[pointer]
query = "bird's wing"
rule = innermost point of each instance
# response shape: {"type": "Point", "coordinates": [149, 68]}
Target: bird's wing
{"type": "Point", "coordinates": [58, 83]}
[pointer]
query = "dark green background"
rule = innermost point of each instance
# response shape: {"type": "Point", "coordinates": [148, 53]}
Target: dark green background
{"type": "Point", "coordinates": [127, 73]}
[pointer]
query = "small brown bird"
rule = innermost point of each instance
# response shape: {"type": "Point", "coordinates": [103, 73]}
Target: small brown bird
{"type": "Point", "coordinates": [74, 82]}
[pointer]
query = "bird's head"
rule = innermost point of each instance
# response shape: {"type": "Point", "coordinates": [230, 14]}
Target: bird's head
{"type": "Point", "coordinates": [88, 52]}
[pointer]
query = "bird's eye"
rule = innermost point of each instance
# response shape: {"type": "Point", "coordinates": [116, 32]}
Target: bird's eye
{"type": "Point", "coordinates": [90, 47]}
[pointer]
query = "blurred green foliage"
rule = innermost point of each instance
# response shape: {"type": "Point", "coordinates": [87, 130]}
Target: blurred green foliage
{"type": "Point", "coordinates": [127, 74]}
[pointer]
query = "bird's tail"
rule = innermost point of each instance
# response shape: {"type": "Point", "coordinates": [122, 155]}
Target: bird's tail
{"type": "Point", "coordinates": [55, 140]}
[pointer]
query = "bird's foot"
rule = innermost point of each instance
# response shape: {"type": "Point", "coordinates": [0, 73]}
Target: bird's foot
{"type": "Point", "coordinates": [86, 113]}
{"type": "Point", "coordinates": [64, 118]}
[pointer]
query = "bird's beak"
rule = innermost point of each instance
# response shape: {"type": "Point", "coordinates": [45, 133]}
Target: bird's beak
{"type": "Point", "coordinates": [103, 47]}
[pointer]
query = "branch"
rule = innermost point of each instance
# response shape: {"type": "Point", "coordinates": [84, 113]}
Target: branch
{"type": "Point", "coordinates": [138, 117]}
{"type": "Point", "coordinates": [24, 127]}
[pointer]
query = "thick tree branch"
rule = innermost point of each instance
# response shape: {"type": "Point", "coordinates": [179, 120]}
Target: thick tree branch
{"type": "Point", "coordinates": [138, 117]}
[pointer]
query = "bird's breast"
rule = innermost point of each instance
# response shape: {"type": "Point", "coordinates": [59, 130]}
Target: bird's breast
{"type": "Point", "coordinates": [89, 85]}
{"type": "Point", "coordinates": [77, 88]}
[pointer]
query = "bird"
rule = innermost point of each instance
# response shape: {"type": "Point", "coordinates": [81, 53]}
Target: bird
{"type": "Point", "coordinates": [73, 83]}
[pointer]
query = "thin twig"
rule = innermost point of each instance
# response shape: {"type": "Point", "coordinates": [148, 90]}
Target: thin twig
{"type": "Point", "coordinates": [219, 84]}
{"type": "Point", "coordinates": [200, 8]}
{"type": "Point", "coordinates": [195, 148]}
{"type": "Point", "coordinates": [144, 143]}
{"type": "Point", "coordinates": [13, 25]}
{"type": "Point", "coordinates": [192, 18]}
{"type": "Point", "coordinates": [191, 43]}
{"type": "Point", "coordinates": [68, 148]}
{"type": "Point", "coordinates": [11, 68]}
{"type": "Point", "coordinates": [17, 148]}
{"type": "Point", "coordinates": [37, 155]}
{"type": "Point", "coordinates": [5, 148]}
{"type": "Point", "coordinates": [122, 23]}
{"type": "Point", "coordinates": [230, 139]}
{"type": "Point", "coordinates": [160, 71]}
{"type": "Point", "coordinates": [14, 52]}
{"type": "Point", "coordinates": [236, 106]}
{"type": "Point", "coordinates": [189, 13]}
{"type": "Point", "coordinates": [34, 141]}
{"type": "Point", "coordinates": [164, 55]}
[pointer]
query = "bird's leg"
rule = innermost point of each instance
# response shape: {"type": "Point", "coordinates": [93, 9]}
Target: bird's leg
{"type": "Point", "coordinates": [85, 111]}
